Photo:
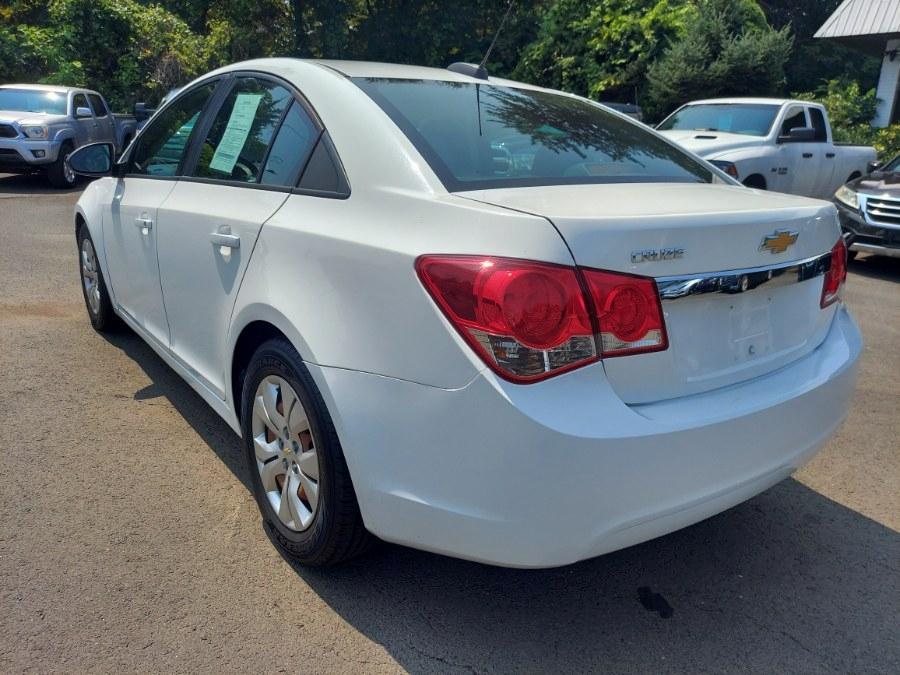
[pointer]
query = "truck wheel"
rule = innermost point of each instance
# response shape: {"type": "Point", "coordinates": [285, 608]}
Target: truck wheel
{"type": "Point", "coordinates": [60, 173]}
{"type": "Point", "coordinates": [299, 475]}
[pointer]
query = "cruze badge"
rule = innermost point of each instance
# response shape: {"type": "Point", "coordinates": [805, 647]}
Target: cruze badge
{"type": "Point", "coordinates": [778, 241]}
{"type": "Point", "coordinates": [656, 254]}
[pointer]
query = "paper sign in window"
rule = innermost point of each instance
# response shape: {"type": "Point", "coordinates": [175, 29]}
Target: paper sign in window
{"type": "Point", "coordinates": [236, 132]}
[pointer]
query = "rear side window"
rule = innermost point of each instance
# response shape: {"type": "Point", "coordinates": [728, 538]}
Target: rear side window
{"type": "Point", "coordinates": [795, 118]}
{"type": "Point", "coordinates": [291, 148]}
{"type": "Point", "coordinates": [237, 143]}
{"type": "Point", "coordinates": [324, 175]}
{"type": "Point", "coordinates": [478, 136]}
{"type": "Point", "coordinates": [97, 105]}
{"type": "Point", "coordinates": [162, 143]}
{"type": "Point", "coordinates": [818, 123]}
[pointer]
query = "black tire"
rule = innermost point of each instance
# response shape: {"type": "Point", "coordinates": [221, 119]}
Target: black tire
{"type": "Point", "coordinates": [56, 172]}
{"type": "Point", "coordinates": [336, 532]}
{"type": "Point", "coordinates": [102, 317]}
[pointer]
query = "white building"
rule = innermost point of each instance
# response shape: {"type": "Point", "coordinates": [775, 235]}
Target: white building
{"type": "Point", "coordinates": [872, 26]}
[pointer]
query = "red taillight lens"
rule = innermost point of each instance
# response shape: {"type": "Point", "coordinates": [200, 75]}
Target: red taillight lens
{"type": "Point", "coordinates": [836, 274]}
{"type": "Point", "coordinates": [628, 313]}
{"type": "Point", "coordinates": [530, 320]}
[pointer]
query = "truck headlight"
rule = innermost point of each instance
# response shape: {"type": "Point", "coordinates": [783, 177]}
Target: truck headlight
{"type": "Point", "coordinates": [847, 197]}
{"type": "Point", "coordinates": [36, 131]}
{"type": "Point", "coordinates": [727, 167]}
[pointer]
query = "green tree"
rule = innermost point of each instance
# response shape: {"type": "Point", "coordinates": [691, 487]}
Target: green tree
{"type": "Point", "coordinates": [601, 49]}
{"type": "Point", "coordinates": [814, 61]}
{"type": "Point", "coordinates": [727, 49]}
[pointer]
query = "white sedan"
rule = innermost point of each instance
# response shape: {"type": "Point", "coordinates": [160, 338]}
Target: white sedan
{"type": "Point", "coordinates": [465, 314]}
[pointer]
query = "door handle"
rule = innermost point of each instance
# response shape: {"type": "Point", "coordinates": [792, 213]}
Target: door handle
{"type": "Point", "coordinates": [145, 224]}
{"type": "Point", "coordinates": [829, 155]}
{"type": "Point", "coordinates": [225, 240]}
{"type": "Point", "coordinates": [807, 155]}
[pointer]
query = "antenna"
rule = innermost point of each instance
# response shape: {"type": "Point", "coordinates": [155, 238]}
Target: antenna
{"type": "Point", "coordinates": [487, 54]}
{"type": "Point", "coordinates": [479, 70]}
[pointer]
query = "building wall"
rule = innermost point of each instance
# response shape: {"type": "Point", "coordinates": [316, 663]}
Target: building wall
{"type": "Point", "coordinates": [887, 86]}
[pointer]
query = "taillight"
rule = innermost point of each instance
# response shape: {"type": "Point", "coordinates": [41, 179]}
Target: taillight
{"type": "Point", "coordinates": [530, 320]}
{"type": "Point", "coordinates": [628, 313]}
{"type": "Point", "coordinates": [836, 274]}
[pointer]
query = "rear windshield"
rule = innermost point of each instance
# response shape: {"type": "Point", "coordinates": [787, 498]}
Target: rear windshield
{"type": "Point", "coordinates": [33, 100]}
{"type": "Point", "coordinates": [478, 136]}
{"type": "Point", "coordinates": [744, 118]}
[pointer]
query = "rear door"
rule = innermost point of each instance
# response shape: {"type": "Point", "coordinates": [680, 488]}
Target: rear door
{"type": "Point", "coordinates": [130, 235]}
{"type": "Point", "coordinates": [246, 160]}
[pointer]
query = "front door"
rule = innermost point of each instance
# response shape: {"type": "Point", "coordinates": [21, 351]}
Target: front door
{"type": "Point", "coordinates": [798, 158]}
{"type": "Point", "coordinates": [248, 159]}
{"type": "Point", "coordinates": [131, 235]}
{"type": "Point", "coordinates": [84, 123]}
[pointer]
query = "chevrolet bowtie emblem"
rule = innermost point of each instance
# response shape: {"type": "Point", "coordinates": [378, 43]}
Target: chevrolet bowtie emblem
{"type": "Point", "coordinates": [778, 241]}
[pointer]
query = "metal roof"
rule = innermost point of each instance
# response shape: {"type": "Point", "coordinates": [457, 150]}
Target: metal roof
{"type": "Point", "coordinates": [856, 18]}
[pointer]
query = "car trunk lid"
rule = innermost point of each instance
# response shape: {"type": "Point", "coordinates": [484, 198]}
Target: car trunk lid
{"type": "Point", "coordinates": [679, 234]}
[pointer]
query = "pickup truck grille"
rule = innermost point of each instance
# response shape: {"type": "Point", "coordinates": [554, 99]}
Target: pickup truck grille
{"type": "Point", "coordinates": [880, 210]}
{"type": "Point", "coordinates": [8, 131]}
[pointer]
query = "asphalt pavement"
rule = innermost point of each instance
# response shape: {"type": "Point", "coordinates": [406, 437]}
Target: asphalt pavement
{"type": "Point", "coordinates": [129, 540]}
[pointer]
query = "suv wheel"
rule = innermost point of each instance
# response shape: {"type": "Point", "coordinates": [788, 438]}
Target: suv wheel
{"type": "Point", "coordinates": [300, 478]}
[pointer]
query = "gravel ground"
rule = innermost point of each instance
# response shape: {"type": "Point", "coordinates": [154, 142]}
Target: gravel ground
{"type": "Point", "coordinates": [129, 540]}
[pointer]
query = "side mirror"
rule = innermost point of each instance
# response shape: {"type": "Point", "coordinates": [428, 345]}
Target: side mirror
{"type": "Point", "coordinates": [799, 135]}
{"type": "Point", "coordinates": [140, 111]}
{"type": "Point", "coordinates": [872, 167]}
{"type": "Point", "coordinates": [92, 160]}
{"type": "Point", "coordinates": [82, 111]}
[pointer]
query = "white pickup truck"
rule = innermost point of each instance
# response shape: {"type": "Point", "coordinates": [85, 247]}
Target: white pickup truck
{"type": "Point", "coordinates": [774, 144]}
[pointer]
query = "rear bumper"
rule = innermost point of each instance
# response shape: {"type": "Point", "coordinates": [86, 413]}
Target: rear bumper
{"type": "Point", "coordinates": [549, 474]}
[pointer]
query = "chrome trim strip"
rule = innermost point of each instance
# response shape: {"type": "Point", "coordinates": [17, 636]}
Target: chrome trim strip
{"type": "Point", "coordinates": [743, 280]}
{"type": "Point", "coordinates": [877, 250]}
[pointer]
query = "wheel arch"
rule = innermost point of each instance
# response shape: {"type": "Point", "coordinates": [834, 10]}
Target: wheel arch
{"type": "Point", "coordinates": [755, 180]}
{"type": "Point", "coordinates": [253, 326]}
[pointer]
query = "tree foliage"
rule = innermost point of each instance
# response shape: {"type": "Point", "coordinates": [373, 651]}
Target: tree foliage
{"type": "Point", "coordinates": [727, 49]}
{"type": "Point", "coordinates": [601, 49]}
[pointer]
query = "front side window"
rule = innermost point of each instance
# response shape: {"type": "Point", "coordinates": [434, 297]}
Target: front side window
{"type": "Point", "coordinates": [97, 105]}
{"type": "Point", "coordinates": [478, 136]}
{"type": "Point", "coordinates": [793, 119]}
{"type": "Point", "coordinates": [33, 101]}
{"type": "Point", "coordinates": [79, 101]}
{"type": "Point", "coordinates": [748, 119]}
{"type": "Point", "coordinates": [162, 144]}
{"type": "Point", "coordinates": [236, 146]}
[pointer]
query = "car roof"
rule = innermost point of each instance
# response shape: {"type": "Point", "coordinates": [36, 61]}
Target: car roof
{"type": "Point", "coordinates": [47, 87]}
{"type": "Point", "coordinates": [353, 69]}
{"type": "Point", "coordinates": [753, 100]}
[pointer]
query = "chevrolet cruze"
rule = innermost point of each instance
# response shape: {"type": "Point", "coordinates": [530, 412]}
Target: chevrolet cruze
{"type": "Point", "coordinates": [465, 314]}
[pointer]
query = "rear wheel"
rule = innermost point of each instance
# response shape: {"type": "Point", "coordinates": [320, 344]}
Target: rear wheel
{"type": "Point", "coordinates": [59, 173]}
{"type": "Point", "coordinates": [300, 478]}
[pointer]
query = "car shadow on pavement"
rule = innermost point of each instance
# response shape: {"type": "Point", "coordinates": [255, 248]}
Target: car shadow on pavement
{"type": "Point", "coordinates": [789, 581]}
{"type": "Point", "coordinates": [33, 184]}
{"type": "Point", "coordinates": [877, 267]}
